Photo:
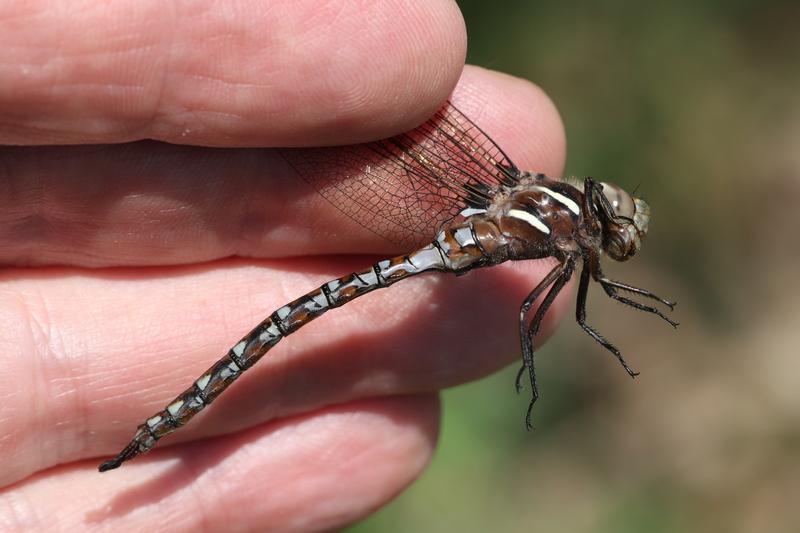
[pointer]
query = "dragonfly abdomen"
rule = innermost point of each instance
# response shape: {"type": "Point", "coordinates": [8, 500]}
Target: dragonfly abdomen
{"type": "Point", "coordinates": [453, 250]}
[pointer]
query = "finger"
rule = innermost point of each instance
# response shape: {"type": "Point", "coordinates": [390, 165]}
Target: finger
{"type": "Point", "coordinates": [313, 473]}
{"type": "Point", "coordinates": [156, 204]}
{"type": "Point", "coordinates": [284, 72]}
{"type": "Point", "coordinates": [88, 356]}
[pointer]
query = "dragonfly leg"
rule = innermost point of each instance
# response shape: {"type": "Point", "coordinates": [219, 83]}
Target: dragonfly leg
{"type": "Point", "coordinates": [597, 274]}
{"type": "Point", "coordinates": [527, 350]}
{"type": "Point", "coordinates": [637, 290]}
{"type": "Point", "coordinates": [612, 292]}
{"type": "Point", "coordinates": [559, 277]}
{"type": "Point", "coordinates": [580, 316]}
{"type": "Point", "coordinates": [611, 286]}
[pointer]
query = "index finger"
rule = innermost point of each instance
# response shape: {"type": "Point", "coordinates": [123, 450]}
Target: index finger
{"type": "Point", "coordinates": [285, 72]}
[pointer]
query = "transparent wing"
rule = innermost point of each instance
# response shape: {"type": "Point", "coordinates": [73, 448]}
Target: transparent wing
{"type": "Point", "coordinates": [405, 187]}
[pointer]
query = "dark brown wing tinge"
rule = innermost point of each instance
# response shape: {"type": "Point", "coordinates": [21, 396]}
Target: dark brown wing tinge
{"type": "Point", "coordinates": [405, 187]}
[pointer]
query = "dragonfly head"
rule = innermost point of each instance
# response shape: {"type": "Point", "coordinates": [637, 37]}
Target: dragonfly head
{"type": "Point", "coordinates": [624, 220]}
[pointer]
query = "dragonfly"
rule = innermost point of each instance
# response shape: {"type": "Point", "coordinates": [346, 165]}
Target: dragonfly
{"type": "Point", "coordinates": [448, 192]}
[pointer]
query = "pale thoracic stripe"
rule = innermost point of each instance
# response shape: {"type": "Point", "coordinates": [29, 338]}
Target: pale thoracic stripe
{"type": "Point", "coordinates": [530, 219]}
{"type": "Point", "coordinates": [566, 201]}
{"type": "Point", "coordinates": [469, 211]}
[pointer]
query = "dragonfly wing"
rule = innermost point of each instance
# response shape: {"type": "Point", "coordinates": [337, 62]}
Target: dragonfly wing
{"type": "Point", "coordinates": [405, 187]}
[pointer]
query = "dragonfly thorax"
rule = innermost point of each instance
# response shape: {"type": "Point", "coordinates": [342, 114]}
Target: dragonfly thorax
{"type": "Point", "coordinates": [537, 216]}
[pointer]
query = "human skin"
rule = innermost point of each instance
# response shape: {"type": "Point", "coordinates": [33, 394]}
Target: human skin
{"type": "Point", "coordinates": [144, 228]}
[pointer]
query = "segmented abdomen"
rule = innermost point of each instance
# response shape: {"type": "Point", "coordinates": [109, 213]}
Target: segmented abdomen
{"type": "Point", "coordinates": [260, 340]}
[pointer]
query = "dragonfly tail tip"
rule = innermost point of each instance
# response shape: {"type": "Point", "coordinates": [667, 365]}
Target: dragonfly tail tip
{"type": "Point", "coordinates": [111, 464]}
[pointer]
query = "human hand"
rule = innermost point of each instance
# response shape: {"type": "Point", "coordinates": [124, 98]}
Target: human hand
{"type": "Point", "coordinates": [132, 266]}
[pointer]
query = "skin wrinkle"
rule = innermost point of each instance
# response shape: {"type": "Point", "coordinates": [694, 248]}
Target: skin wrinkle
{"type": "Point", "coordinates": [358, 90]}
{"type": "Point", "coordinates": [145, 130]}
{"type": "Point", "coordinates": [41, 329]}
{"type": "Point", "coordinates": [90, 60]}
{"type": "Point", "coordinates": [201, 508]}
{"type": "Point", "coordinates": [18, 513]}
{"type": "Point", "coordinates": [190, 108]}
{"type": "Point", "coordinates": [18, 426]}
{"type": "Point", "coordinates": [246, 238]}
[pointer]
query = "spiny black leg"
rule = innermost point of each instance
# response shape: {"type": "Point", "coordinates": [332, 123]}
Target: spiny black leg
{"type": "Point", "coordinates": [527, 348]}
{"type": "Point", "coordinates": [580, 316]}
{"type": "Point", "coordinates": [561, 279]}
{"type": "Point", "coordinates": [611, 291]}
{"type": "Point", "coordinates": [520, 372]}
{"type": "Point", "coordinates": [610, 287]}
{"type": "Point", "coordinates": [636, 290]}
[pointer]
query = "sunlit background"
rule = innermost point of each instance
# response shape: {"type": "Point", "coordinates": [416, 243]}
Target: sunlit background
{"type": "Point", "coordinates": [699, 101]}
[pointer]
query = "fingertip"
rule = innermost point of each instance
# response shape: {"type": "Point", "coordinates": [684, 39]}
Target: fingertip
{"type": "Point", "coordinates": [518, 115]}
{"type": "Point", "coordinates": [387, 80]}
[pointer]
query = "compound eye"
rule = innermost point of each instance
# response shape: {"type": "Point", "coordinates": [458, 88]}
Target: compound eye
{"type": "Point", "coordinates": [621, 201]}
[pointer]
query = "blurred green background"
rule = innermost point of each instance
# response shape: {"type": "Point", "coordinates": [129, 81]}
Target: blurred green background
{"type": "Point", "coordinates": [699, 101]}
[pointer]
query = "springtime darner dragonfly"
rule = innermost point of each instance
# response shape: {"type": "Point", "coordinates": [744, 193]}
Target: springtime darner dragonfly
{"type": "Point", "coordinates": [449, 184]}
